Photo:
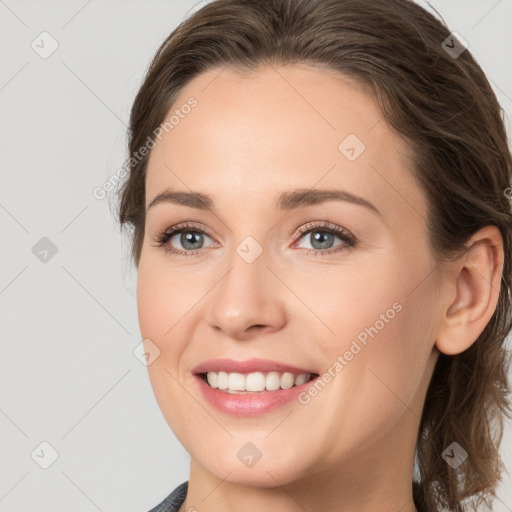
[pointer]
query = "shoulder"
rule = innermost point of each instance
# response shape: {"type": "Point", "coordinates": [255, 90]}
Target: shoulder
{"type": "Point", "coordinates": [174, 501]}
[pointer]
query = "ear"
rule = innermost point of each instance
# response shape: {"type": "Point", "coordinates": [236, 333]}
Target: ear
{"type": "Point", "coordinates": [472, 292]}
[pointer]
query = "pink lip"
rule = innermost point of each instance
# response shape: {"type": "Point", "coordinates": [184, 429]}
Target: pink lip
{"type": "Point", "coordinates": [252, 365]}
{"type": "Point", "coordinates": [249, 404]}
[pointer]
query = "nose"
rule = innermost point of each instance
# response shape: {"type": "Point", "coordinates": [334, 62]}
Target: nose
{"type": "Point", "coordinates": [249, 300]}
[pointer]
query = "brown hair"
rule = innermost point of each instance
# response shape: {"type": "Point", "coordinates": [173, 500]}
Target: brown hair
{"type": "Point", "coordinates": [447, 113]}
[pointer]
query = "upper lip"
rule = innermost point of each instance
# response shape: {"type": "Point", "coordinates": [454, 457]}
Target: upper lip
{"type": "Point", "coordinates": [249, 366]}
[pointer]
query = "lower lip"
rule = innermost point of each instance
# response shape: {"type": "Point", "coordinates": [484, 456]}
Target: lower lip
{"type": "Point", "coordinates": [249, 404]}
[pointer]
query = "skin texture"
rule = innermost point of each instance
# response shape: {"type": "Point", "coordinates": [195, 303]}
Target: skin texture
{"type": "Point", "coordinates": [351, 448]}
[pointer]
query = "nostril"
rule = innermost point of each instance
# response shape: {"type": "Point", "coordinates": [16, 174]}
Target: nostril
{"type": "Point", "coordinates": [257, 326]}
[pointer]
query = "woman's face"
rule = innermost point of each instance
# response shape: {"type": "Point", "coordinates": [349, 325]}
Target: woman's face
{"type": "Point", "coordinates": [262, 273]}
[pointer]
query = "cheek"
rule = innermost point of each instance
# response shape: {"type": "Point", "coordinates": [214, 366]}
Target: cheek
{"type": "Point", "coordinates": [150, 302]}
{"type": "Point", "coordinates": [385, 332]}
{"type": "Point", "coordinates": [164, 299]}
{"type": "Point", "coordinates": [396, 355]}
{"type": "Point", "coordinates": [381, 380]}
{"type": "Point", "coordinates": [160, 307]}
{"type": "Point", "coordinates": [168, 304]}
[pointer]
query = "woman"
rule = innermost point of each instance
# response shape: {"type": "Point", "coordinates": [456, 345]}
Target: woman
{"type": "Point", "coordinates": [320, 223]}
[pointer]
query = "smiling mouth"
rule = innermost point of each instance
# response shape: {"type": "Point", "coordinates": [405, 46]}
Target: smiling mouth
{"type": "Point", "coordinates": [255, 382]}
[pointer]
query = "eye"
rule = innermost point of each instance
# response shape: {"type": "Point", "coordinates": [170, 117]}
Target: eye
{"type": "Point", "coordinates": [189, 237]}
{"type": "Point", "coordinates": [321, 238]}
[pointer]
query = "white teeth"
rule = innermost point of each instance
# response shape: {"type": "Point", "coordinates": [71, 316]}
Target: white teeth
{"type": "Point", "coordinates": [236, 382]}
{"type": "Point", "coordinates": [300, 379]}
{"type": "Point", "coordinates": [287, 380]}
{"type": "Point", "coordinates": [222, 380]}
{"type": "Point", "coordinates": [273, 381]}
{"type": "Point", "coordinates": [213, 379]}
{"type": "Point", "coordinates": [254, 382]}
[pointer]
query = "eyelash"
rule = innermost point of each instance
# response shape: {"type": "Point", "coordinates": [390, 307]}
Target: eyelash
{"type": "Point", "coordinates": [347, 237]}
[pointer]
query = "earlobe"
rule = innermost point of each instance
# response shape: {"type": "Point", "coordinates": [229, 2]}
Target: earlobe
{"type": "Point", "coordinates": [473, 291]}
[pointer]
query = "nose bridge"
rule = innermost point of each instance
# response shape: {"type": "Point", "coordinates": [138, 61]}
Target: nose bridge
{"type": "Point", "coordinates": [246, 295]}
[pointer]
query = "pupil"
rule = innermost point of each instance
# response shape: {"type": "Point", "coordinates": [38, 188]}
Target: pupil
{"type": "Point", "coordinates": [321, 236]}
{"type": "Point", "coordinates": [188, 237]}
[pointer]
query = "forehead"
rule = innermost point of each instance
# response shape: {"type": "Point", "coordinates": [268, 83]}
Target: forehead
{"type": "Point", "coordinates": [278, 128]}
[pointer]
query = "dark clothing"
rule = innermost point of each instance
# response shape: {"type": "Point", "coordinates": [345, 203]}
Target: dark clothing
{"type": "Point", "coordinates": [174, 501]}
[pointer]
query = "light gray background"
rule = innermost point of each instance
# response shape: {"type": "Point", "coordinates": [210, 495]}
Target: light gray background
{"type": "Point", "coordinates": [69, 326]}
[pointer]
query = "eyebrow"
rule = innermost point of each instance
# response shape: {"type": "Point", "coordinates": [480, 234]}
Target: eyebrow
{"type": "Point", "coordinates": [287, 200]}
